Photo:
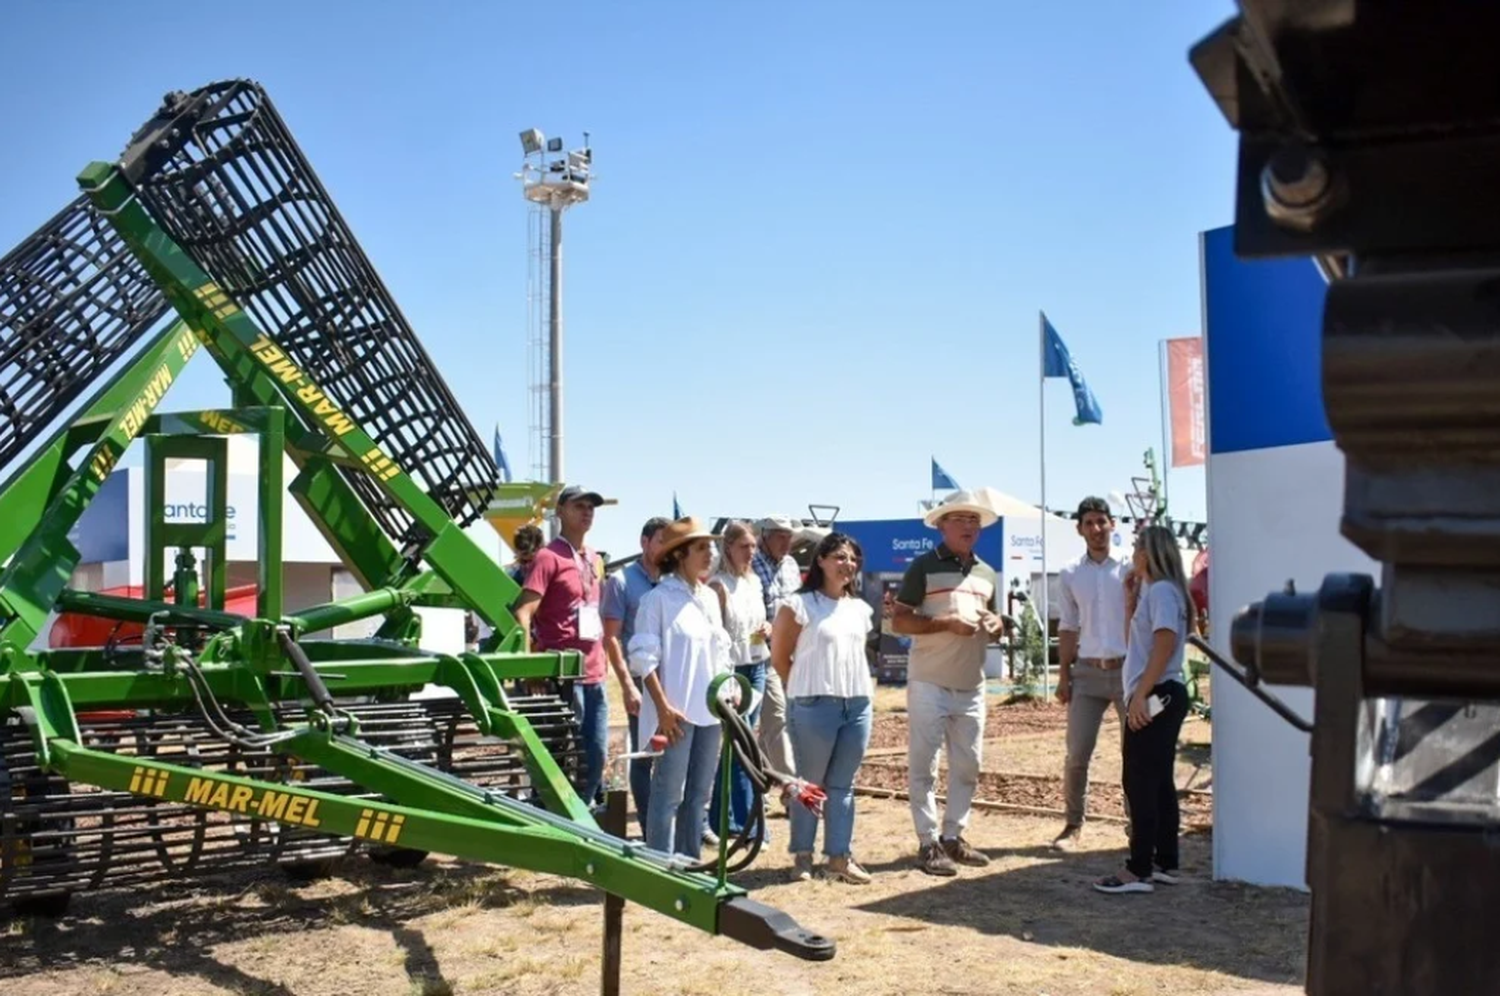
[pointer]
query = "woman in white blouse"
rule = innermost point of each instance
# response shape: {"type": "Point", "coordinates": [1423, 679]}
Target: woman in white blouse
{"type": "Point", "coordinates": [678, 647]}
{"type": "Point", "coordinates": [743, 603]}
{"type": "Point", "coordinates": [818, 649]}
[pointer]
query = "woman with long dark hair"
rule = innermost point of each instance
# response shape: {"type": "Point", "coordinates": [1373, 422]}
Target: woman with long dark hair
{"type": "Point", "coordinates": [1161, 615]}
{"type": "Point", "coordinates": [818, 649]}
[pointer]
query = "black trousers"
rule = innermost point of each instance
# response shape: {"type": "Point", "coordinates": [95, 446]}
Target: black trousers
{"type": "Point", "coordinates": [1151, 784]}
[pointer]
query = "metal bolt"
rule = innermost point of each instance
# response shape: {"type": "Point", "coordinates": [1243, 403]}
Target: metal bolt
{"type": "Point", "coordinates": [1297, 186]}
{"type": "Point", "coordinates": [589, 868]}
{"type": "Point", "coordinates": [680, 905]}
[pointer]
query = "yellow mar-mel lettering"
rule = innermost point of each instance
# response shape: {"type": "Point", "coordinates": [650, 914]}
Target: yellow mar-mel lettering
{"type": "Point", "coordinates": [379, 826]}
{"type": "Point", "coordinates": [148, 781]}
{"type": "Point", "coordinates": [218, 422]}
{"type": "Point", "coordinates": [215, 300]}
{"type": "Point", "coordinates": [267, 804]}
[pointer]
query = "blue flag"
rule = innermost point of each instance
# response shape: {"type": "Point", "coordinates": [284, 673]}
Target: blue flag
{"type": "Point", "coordinates": [676, 508]}
{"type": "Point", "coordinates": [1057, 362]}
{"type": "Point", "coordinates": [941, 478]}
{"type": "Point", "coordinates": [500, 460]}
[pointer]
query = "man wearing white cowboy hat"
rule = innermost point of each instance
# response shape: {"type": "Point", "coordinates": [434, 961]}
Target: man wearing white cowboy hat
{"type": "Point", "coordinates": [947, 604]}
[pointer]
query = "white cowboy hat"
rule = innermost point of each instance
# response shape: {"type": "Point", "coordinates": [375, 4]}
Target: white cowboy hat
{"type": "Point", "coordinates": [963, 501]}
{"type": "Point", "coordinates": [776, 523]}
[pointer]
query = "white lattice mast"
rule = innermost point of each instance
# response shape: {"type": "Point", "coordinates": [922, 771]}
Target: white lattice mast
{"type": "Point", "coordinates": [553, 181]}
{"type": "Point", "coordinates": [538, 427]}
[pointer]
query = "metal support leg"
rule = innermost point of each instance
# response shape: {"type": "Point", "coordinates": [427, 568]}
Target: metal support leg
{"type": "Point", "coordinates": [614, 906]}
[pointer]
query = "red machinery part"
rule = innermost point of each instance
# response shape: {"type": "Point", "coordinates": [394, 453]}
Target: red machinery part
{"type": "Point", "coordinates": [74, 629]}
{"type": "Point", "coordinates": [1198, 586]}
{"type": "Point", "coordinates": [71, 630]}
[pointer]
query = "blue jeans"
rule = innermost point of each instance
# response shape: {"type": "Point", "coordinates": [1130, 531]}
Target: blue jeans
{"type": "Point", "coordinates": [681, 780]}
{"type": "Point", "coordinates": [829, 736]}
{"type": "Point", "coordinates": [741, 793]}
{"type": "Point", "coordinates": [591, 707]}
{"type": "Point", "coordinates": [640, 767]}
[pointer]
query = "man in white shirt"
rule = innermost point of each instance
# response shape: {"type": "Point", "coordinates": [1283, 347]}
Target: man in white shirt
{"type": "Point", "coordinates": [1090, 652]}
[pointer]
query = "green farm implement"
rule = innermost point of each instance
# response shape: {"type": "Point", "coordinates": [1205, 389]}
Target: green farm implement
{"type": "Point", "coordinates": [216, 739]}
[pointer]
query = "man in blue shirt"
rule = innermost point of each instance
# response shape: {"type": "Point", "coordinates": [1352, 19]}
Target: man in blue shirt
{"type": "Point", "coordinates": [623, 591]}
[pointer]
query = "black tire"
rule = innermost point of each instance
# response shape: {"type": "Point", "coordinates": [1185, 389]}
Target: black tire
{"type": "Point", "coordinates": [50, 907]}
{"type": "Point", "coordinates": [398, 857]}
{"type": "Point", "coordinates": [308, 871]}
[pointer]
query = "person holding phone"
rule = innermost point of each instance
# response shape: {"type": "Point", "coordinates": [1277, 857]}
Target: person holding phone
{"type": "Point", "coordinates": [1161, 616]}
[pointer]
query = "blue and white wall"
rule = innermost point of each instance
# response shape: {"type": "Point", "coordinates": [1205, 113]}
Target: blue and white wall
{"type": "Point", "coordinates": [1275, 496]}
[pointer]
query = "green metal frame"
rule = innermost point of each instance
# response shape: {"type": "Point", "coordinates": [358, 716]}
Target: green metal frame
{"type": "Point", "coordinates": [241, 661]}
{"type": "Point", "coordinates": [212, 534]}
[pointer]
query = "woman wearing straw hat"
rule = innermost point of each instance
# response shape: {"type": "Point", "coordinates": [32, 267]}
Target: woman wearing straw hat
{"type": "Point", "coordinates": [678, 647]}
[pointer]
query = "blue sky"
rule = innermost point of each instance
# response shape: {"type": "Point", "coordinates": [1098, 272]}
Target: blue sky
{"type": "Point", "coordinates": [819, 235]}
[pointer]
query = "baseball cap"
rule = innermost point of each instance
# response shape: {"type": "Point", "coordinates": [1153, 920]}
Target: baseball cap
{"type": "Point", "coordinates": [576, 492]}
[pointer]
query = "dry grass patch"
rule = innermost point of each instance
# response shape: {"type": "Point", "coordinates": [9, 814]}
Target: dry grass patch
{"type": "Point", "coordinates": [1027, 924]}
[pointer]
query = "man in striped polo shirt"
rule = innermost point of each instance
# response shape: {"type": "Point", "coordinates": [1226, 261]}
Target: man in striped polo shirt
{"type": "Point", "coordinates": [947, 604]}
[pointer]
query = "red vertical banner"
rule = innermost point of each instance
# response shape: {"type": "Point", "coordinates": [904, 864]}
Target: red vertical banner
{"type": "Point", "coordinates": [1185, 401]}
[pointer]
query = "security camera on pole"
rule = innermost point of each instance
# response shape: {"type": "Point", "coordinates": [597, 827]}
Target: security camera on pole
{"type": "Point", "coordinates": [553, 180]}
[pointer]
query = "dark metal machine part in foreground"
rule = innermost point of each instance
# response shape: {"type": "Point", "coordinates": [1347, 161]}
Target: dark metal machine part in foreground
{"type": "Point", "coordinates": [1370, 140]}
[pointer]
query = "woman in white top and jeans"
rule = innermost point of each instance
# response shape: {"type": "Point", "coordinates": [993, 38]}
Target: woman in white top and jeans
{"type": "Point", "coordinates": [678, 647]}
{"type": "Point", "coordinates": [743, 602]}
{"type": "Point", "coordinates": [1161, 615]}
{"type": "Point", "coordinates": [818, 649]}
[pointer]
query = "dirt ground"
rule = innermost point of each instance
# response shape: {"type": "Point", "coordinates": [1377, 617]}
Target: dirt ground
{"type": "Point", "coordinates": [1028, 923]}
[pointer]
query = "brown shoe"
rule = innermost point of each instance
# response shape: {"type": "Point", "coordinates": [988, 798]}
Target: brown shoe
{"type": "Point", "coordinates": [959, 850]}
{"type": "Point", "coordinates": [933, 860]}
{"type": "Point", "coordinates": [1068, 839]}
{"type": "Point", "coordinates": [847, 870]}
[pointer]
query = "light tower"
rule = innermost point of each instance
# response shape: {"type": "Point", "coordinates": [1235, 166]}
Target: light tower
{"type": "Point", "coordinates": [553, 181]}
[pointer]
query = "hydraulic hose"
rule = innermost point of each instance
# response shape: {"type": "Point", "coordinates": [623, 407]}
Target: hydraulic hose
{"type": "Point", "coordinates": [763, 778]}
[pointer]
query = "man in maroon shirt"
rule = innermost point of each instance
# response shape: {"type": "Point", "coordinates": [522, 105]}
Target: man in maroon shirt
{"type": "Point", "coordinates": [559, 608]}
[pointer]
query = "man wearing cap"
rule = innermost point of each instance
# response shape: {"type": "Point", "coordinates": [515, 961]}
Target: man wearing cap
{"type": "Point", "coordinates": [559, 609]}
{"type": "Point", "coordinates": [779, 579]}
{"type": "Point", "coordinates": [623, 591]}
{"type": "Point", "coordinates": [947, 605]}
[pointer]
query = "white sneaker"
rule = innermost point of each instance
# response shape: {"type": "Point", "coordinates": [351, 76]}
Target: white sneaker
{"type": "Point", "coordinates": [1114, 886]}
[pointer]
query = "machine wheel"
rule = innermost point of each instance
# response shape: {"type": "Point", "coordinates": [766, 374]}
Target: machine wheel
{"type": "Point", "coordinates": [308, 871]}
{"type": "Point", "coordinates": [50, 907]}
{"type": "Point", "coordinates": [398, 857]}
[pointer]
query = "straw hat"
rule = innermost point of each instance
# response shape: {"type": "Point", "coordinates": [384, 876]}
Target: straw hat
{"type": "Point", "coordinates": [677, 533]}
{"type": "Point", "coordinates": [963, 501]}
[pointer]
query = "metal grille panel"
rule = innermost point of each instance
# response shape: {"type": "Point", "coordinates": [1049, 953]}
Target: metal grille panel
{"type": "Point", "coordinates": [227, 181]}
{"type": "Point", "coordinates": [73, 300]}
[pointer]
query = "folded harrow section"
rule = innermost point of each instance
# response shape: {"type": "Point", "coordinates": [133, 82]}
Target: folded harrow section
{"type": "Point", "coordinates": [73, 300]}
{"type": "Point", "coordinates": [221, 174]}
{"type": "Point", "coordinates": [58, 837]}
